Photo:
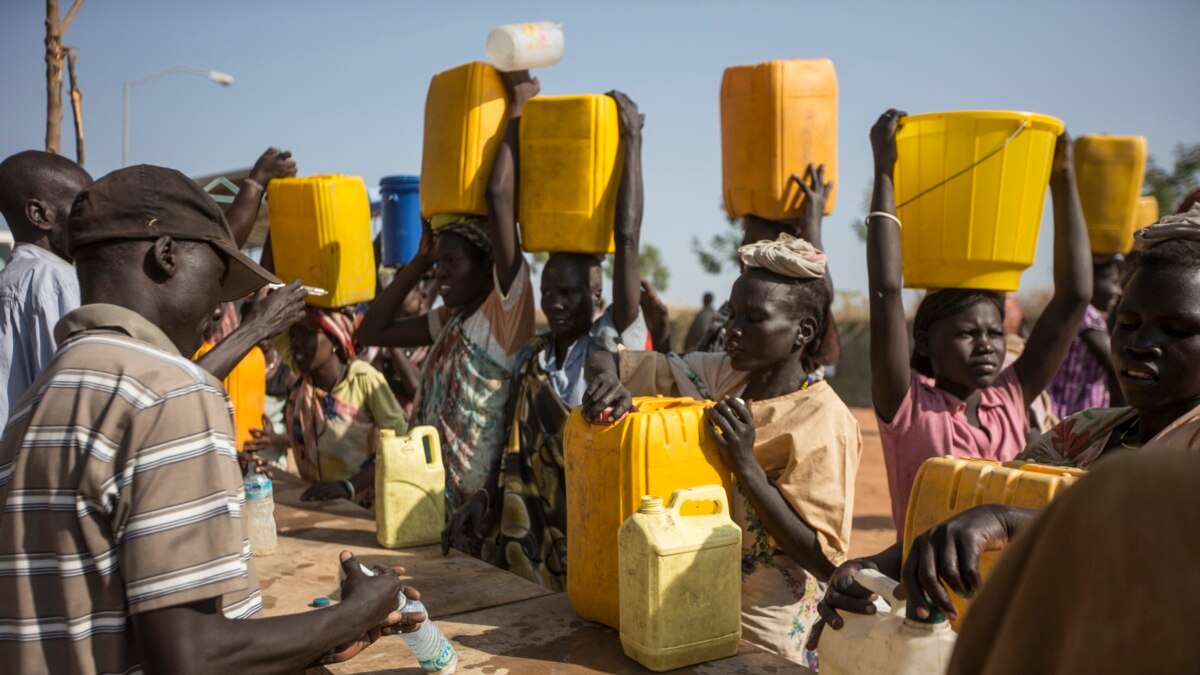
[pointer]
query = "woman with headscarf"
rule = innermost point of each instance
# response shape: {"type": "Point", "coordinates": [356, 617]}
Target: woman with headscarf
{"type": "Point", "coordinates": [792, 444]}
{"type": "Point", "coordinates": [1155, 352]}
{"type": "Point", "coordinates": [474, 338]}
{"type": "Point", "coordinates": [335, 409]}
{"type": "Point", "coordinates": [952, 395]}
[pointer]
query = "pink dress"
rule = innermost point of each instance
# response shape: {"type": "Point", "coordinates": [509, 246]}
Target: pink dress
{"type": "Point", "coordinates": [933, 423]}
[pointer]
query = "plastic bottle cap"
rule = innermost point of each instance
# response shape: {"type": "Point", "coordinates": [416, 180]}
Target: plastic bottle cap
{"type": "Point", "coordinates": [320, 602]}
{"type": "Point", "coordinates": [651, 504]}
{"type": "Point", "coordinates": [935, 614]}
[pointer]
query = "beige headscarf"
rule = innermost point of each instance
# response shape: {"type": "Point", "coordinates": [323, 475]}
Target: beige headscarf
{"type": "Point", "coordinates": [1176, 226]}
{"type": "Point", "coordinates": [786, 256]}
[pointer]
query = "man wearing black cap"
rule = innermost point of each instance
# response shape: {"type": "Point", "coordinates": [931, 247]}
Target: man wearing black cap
{"type": "Point", "coordinates": [122, 546]}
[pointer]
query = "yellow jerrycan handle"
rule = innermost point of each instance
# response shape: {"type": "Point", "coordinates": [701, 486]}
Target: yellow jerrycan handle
{"type": "Point", "coordinates": [703, 493]}
{"type": "Point", "coordinates": [423, 433]}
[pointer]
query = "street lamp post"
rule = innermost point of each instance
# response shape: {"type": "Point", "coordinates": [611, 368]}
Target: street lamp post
{"type": "Point", "coordinates": [223, 79]}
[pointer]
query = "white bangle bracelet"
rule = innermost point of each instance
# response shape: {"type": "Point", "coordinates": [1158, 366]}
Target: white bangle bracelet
{"type": "Point", "coordinates": [882, 214]}
{"type": "Point", "coordinates": [350, 488]}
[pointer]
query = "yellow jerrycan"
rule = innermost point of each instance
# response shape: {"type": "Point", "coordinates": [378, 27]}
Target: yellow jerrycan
{"type": "Point", "coordinates": [466, 110]}
{"type": "Point", "coordinates": [945, 486]}
{"type": "Point", "coordinates": [970, 187]}
{"type": "Point", "coordinates": [1147, 212]}
{"type": "Point", "coordinates": [410, 489]}
{"type": "Point", "coordinates": [680, 581]}
{"type": "Point", "coordinates": [321, 233]}
{"type": "Point", "coordinates": [570, 169]}
{"type": "Point", "coordinates": [776, 119]}
{"type": "Point", "coordinates": [247, 389]}
{"type": "Point", "coordinates": [1109, 171]}
{"type": "Point", "coordinates": [660, 448]}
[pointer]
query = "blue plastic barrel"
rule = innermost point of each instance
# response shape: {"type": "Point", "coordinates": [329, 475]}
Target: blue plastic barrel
{"type": "Point", "coordinates": [400, 214]}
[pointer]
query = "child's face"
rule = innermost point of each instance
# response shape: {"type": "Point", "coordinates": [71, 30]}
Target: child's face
{"type": "Point", "coordinates": [461, 279]}
{"type": "Point", "coordinates": [1156, 340]}
{"type": "Point", "coordinates": [311, 348]}
{"type": "Point", "coordinates": [966, 349]}
{"type": "Point", "coordinates": [1106, 286]}
{"type": "Point", "coordinates": [764, 331]}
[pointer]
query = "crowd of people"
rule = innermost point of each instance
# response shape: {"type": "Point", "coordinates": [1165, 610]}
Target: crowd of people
{"type": "Point", "coordinates": [128, 300]}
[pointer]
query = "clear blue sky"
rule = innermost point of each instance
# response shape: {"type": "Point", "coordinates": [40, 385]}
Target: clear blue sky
{"type": "Point", "coordinates": [343, 84]}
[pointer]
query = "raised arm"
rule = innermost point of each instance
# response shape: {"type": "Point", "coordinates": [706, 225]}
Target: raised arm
{"type": "Point", "coordinates": [627, 228]}
{"type": "Point", "coordinates": [502, 183]}
{"type": "Point", "coordinates": [382, 325]}
{"type": "Point", "coordinates": [269, 317]}
{"type": "Point", "coordinates": [1056, 328]}
{"type": "Point", "coordinates": [889, 326]}
{"type": "Point", "coordinates": [244, 211]}
{"type": "Point", "coordinates": [816, 193]}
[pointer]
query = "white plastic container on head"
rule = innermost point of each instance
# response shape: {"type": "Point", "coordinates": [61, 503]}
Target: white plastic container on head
{"type": "Point", "coordinates": [521, 46]}
{"type": "Point", "coordinates": [888, 642]}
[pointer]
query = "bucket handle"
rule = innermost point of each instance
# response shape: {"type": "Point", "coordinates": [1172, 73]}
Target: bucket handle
{"type": "Point", "coordinates": [703, 493]}
{"type": "Point", "coordinates": [422, 434]}
{"type": "Point", "coordinates": [1011, 137]}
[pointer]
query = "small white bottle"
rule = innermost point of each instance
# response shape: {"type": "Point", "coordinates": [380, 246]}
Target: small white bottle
{"type": "Point", "coordinates": [433, 650]}
{"type": "Point", "coordinates": [521, 46]}
{"type": "Point", "coordinates": [259, 512]}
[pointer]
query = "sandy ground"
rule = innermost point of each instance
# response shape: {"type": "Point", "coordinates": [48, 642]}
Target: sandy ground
{"type": "Point", "coordinates": [873, 530]}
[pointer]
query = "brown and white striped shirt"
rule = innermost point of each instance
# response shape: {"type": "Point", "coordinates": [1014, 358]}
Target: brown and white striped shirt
{"type": "Point", "coordinates": [121, 494]}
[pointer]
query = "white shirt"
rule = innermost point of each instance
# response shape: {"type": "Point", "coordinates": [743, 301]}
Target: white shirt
{"type": "Point", "coordinates": [36, 289]}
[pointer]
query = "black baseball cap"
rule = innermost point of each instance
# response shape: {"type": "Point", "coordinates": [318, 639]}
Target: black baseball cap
{"type": "Point", "coordinates": [148, 202]}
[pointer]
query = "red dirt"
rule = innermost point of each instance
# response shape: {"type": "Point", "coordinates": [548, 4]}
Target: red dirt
{"type": "Point", "coordinates": [873, 530]}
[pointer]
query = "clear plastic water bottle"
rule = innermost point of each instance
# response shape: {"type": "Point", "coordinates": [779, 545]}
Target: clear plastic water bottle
{"type": "Point", "coordinates": [433, 650]}
{"type": "Point", "coordinates": [259, 512]}
{"type": "Point", "coordinates": [431, 647]}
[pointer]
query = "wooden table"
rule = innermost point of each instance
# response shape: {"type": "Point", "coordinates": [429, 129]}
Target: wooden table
{"type": "Point", "coordinates": [312, 535]}
{"type": "Point", "coordinates": [499, 623]}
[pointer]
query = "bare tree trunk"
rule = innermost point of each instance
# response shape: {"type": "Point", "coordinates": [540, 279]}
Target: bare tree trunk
{"type": "Point", "coordinates": [53, 78]}
{"type": "Point", "coordinates": [76, 103]}
{"type": "Point", "coordinates": [55, 28]}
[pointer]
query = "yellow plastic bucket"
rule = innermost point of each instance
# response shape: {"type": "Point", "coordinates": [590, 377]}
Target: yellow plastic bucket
{"type": "Point", "coordinates": [970, 187]}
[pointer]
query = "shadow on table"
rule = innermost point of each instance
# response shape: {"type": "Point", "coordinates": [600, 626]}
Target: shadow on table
{"type": "Point", "coordinates": [331, 535]}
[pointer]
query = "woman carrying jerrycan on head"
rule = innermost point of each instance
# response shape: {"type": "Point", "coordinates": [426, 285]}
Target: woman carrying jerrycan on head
{"type": "Point", "coordinates": [487, 319]}
{"type": "Point", "coordinates": [525, 528]}
{"type": "Point", "coordinates": [791, 443]}
{"type": "Point", "coordinates": [952, 396]}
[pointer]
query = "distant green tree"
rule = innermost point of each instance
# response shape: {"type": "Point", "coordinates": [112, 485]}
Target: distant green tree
{"type": "Point", "coordinates": [651, 265]}
{"type": "Point", "coordinates": [1169, 188]}
{"type": "Point", "coordinates": [722, 249]}
{"type": "Point", "coordinates": [860, 223]}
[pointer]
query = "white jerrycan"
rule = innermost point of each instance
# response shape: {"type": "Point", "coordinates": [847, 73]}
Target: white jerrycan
{"type": "Point", "coordinates": [890, 642]}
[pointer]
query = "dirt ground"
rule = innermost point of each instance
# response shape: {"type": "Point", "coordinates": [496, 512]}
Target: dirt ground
{"type": "Point", "coordinates": [873, 530]}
